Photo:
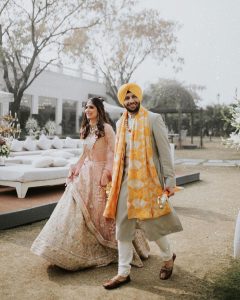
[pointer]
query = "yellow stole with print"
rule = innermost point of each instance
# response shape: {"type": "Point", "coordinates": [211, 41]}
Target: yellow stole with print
{"type": "Point", "coordinates": [143, 183]}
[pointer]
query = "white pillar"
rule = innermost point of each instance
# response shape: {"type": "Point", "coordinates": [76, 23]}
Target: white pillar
{"type": "Point", "coordinates": [58, 116]}
{"type": "Point", "coordinates": [5, 107]}
{"type": "Point", "coordinates": [78, 115]}
{"type": "Point", "coordinates": [34, 106]}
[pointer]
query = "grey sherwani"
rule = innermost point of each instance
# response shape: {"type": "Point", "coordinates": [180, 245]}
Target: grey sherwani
{"type": "Point", "coordinates": [154, 228]}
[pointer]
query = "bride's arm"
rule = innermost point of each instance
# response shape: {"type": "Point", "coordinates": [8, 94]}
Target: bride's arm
{"type": "Point", "coordinates": [74, 170]}
{"type": "Point", "coordinates": [110, 140]}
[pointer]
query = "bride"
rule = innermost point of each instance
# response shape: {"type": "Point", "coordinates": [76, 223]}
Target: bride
{"type": "Point", "coordinates": [77, 236]}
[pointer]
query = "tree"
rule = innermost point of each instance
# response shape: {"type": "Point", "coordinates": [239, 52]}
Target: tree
{"type": "Point", "coordinates": [169, 93]}
{"type": "Point", "coordinates": [3, 6]}
{"type": "Point", "coordinates": [234, 138]}
{"type": "Point", "coordinates": [215, 120]}
{"type": "Point", "coordinates": [31, 29]}
{"type": "Point", "coordinates": [121, 44]}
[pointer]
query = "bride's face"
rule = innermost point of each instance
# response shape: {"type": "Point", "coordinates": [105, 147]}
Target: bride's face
{"type": "Point", "coordinates": [91, 111]}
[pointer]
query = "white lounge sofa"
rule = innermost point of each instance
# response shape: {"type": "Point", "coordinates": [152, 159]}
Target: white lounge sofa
{"type": "Point", "coordinates": [24, 168]}
{"type": "Point", "coordinates": [36, 147]}
{"type": "Point", "coordinates": [24, 174]}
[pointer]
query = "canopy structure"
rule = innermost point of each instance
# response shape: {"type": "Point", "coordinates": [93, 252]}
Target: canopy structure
{"type": "Point", "coordinates": [113, 110]}
{"type": "Point", "coordinates": [5, 98]}
{"type": "Point", "coordinates": [179, 111]}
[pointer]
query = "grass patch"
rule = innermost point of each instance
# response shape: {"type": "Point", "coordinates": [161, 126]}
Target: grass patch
{"type": "Point", "coordinates": [227, 284]}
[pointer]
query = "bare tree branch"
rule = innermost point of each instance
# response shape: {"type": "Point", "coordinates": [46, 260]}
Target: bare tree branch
{"type": "Point", "coordinates": [42, 26]}
{"type": "Point", "coordinates": [4, 6]}
{"type": "Point", "coordinates": [128, 38]}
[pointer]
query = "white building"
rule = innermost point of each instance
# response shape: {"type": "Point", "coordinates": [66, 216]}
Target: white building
{"type": "Point", "coordinates": [59, 93]}
{"type": "Point", "coordinates": [5, 99]}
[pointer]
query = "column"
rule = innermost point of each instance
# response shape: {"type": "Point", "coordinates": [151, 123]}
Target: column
{"type": "Point", "coordinates": [58, 115]}
{"type": "Point", "coordinates": [78, 115]}
{"type": "Point", "coordinates": [5, 107]}
{"type": "Point", "coordinates": [34, 106]}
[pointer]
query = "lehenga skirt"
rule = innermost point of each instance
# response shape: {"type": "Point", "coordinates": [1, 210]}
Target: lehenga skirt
{"type": "Point", "coordinates": [77, 236]}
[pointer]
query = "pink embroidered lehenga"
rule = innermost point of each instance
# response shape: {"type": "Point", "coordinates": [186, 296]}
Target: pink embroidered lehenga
{"type": "Point", "coordinates": [77, 236]}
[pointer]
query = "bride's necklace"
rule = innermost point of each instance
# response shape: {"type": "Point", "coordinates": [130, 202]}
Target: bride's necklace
{"type": "Point", "coordinates": [93, 129]}
{"type": "Point", "coordinates": [92, 137]}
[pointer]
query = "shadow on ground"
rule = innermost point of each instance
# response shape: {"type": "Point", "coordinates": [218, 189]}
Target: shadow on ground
{"type": "Point", "coordinates": [202, 214]}
{"type": "Point", "coordinates": [182, 285]}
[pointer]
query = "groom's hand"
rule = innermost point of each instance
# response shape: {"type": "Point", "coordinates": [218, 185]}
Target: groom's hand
{"type": "Point", "coordinates": [170, 191]}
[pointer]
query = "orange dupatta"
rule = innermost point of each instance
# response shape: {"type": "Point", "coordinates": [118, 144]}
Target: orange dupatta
{"type": "Point", "coordinates": [143, 183]}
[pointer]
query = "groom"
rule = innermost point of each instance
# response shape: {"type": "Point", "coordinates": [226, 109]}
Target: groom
{"type": "Point", "coordinates": [143, 170]}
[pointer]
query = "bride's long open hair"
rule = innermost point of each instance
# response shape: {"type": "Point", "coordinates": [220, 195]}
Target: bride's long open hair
{"type": "Point", "coordinates": [101, 119]}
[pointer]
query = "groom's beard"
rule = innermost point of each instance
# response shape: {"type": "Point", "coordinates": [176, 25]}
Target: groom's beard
{"type": "Point", "coordinates": [132, 110]}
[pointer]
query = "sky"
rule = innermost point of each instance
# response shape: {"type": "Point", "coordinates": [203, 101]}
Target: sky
{"type": "Point", "coordinates": [209, 42]}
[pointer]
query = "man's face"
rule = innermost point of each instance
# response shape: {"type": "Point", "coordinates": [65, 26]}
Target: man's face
{"type": "Point", "coordinates": [131, 103]}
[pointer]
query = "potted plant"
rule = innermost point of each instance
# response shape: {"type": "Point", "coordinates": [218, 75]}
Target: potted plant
{"type": "Point", "coordinates": [4, 150]}
{"type": "Point", "coordinates": [32, 127]}
{"type": "Point", "coordinates": [50, 128]}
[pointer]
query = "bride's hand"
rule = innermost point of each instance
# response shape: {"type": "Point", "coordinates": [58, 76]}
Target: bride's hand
{"type": "Point", "coordinates": [69, 177]}
{"type": "Point", "coordinates": [74, 170]}
{"type": "Point", "coordinates": [104, 179]}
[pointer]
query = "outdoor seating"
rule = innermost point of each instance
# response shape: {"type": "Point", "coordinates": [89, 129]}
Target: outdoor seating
{"type": "Point", "coordinates": [28, 173]}
{"type": "Point", "coordinates": [32, 168]}
{"type": "Point", "coordinates": [35, 147]}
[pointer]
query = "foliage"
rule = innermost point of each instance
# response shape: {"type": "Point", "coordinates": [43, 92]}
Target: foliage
{"type": "Point", "coordinates": [9, 126]}
{"type": "Point", "coordinates": [123, 41]}
{"type": "Point", "coordinates": [4, 147]}
{"type": "Point", "coordinates": [167, 93]}
{"type": "Point", "coordinates": [235, 116]}
{"type": "Point", "coordinates": [171, 94]}
{"type": "Point", "coordinates": [50, 127]}
{"type": "Point", "coordinates": [32, 127]}
{"type": "Point", "coordinates": [233, 120]}
{"type": "Point", "coordinates": [33, 28]}
{"type": "Point", "coordinates": [215, 120]}
{"type": "Point", "coordinates": [31, 124]}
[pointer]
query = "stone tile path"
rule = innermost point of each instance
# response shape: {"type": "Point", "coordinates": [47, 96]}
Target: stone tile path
{"type": "Point", "coordinates": [209, 163]}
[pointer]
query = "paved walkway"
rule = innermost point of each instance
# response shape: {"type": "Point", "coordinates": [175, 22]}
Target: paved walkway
{"type": "Point", "coordinates": [208, 162]}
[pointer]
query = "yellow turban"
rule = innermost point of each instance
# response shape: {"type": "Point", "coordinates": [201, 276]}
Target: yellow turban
{"type": "Point", "coordinates": [133, 88]}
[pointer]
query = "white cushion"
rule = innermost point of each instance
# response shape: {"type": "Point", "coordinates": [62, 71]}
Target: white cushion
{"type": "Point", "coordinates": [26, 153]}
{"type": "Point", "coordinates": [28, 173]}
{"type": "Point", "coordinates": [57, 143]}
{"type": "Point", "coordinates": [27, 159]}
{"type": "Point", "coordinates": [58, 154]}
{"type": "Point", "coordinates": [59, 162]}
{"type": "Point", "coordinates": [49, 152]}
{"type": "Point", "coordinates": [65, 154]}
{"type": "Point", "coordinates": [44, 143]}
{"type": "Point", "coordinates": [30, 144]}
{"type": "Point", "coordinates": [70, 143]}
{"type": "Point", "coordinates": [43, 162]}
{"type": "Point", "coordinates": [16, 145]}
{"type": "Point", "coordinates": [77, 151]}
